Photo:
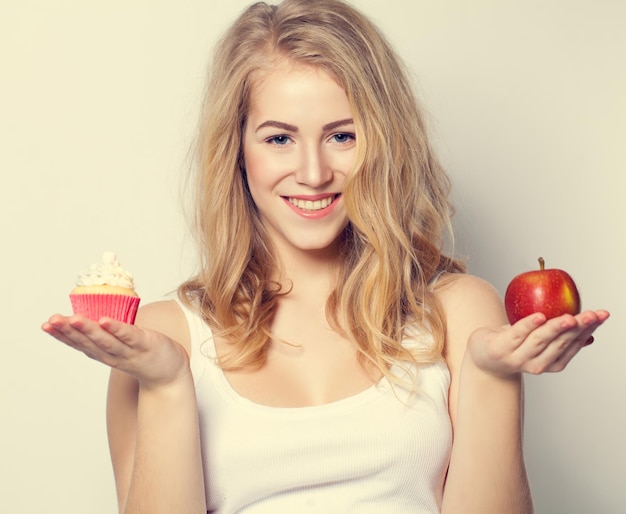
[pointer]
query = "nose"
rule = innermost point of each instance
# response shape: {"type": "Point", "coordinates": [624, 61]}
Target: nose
{"type": "Point", "coordinates": [314, 170]}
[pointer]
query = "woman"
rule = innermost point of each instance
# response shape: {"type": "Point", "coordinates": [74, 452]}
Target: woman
{"type": "Point", "coordinates": [328, 357]}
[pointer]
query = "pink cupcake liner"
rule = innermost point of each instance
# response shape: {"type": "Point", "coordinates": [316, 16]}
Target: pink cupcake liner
{"type": "Point", "coordinates": [116, 306]}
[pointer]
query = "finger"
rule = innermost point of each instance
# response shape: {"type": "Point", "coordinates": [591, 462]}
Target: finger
{"type": "Point", "coordinates": [77, 342]}
{"type": "Point", "coordinates": [570, 352]}
{"type": "Point", "coordinates": [533, 334]}
{"type": "Point", "coordinates": [54, 331]}
{"type": "Point", "coordinates": [90, 333]}
{"type": "Point", "coordinates": [524, 328]}
{"type": "Point", "coordinates": [89, 338]}
{"type": "Point", "coordinates": [124, 332]}
{"type": "Point", "coordinates": [62, 328]}
{"type": "Point", "coordinates": [587, 323]}
{"type": "Point", "coordinates": [135, 338]}
{"type": "Point", "coordinates": [555, 335]}
{"type": "Point", "coordinates": [98, 340]}
{"type": "Point", "coordinates": [590, 322]}
{"type": "Point", "coordinates": [602, 315]}
{"type": "Point", "coordinates": [564, 358]}
{"type": "Point", "coordinates": [86, 336]}
{"type": "Point", "coordinates": [558, 344]}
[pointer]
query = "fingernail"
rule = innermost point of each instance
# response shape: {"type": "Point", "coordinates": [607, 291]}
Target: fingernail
{"type": "Point", "coordinates": [589, 341]}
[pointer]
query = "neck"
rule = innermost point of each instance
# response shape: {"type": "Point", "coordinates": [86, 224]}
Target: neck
{"type": "Point", "coordinates": [308, 273]}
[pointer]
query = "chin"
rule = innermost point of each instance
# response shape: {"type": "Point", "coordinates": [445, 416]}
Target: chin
{"type": "Point", "coordinates": [319, 245]}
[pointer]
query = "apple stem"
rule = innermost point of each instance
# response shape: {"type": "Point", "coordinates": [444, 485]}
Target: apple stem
{"type": "Point", "coordinates": [542, 264]}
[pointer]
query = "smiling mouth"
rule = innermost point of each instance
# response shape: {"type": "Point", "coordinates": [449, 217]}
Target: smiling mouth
{"type": "Point", "coordinates": [312, 205]}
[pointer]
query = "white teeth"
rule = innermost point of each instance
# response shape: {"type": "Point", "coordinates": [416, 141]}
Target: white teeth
{"type": "Point", "coordinates": [309, 205]}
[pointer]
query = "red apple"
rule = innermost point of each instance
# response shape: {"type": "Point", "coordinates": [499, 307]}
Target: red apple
{"type": "Point", "coordinates": [549, 291]}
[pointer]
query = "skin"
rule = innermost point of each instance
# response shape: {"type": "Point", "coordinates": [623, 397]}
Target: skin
{"type": "Point", "coordinates": [152, 415]}
{"type": "Point", "coordinates": [294, 151]}
{"type": "Point", "coordinates": [487, 358]}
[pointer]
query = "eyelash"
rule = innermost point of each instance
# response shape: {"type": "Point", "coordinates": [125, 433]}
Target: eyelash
{"type": "Point", "coordinates": [274, 139]}
{"type": "Point", "coordinates": [350, 137]}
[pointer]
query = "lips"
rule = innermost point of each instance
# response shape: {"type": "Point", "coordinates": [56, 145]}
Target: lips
{"type": "Point", "coordinates": [310, 206]}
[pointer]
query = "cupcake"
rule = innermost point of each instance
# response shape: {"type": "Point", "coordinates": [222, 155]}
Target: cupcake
{"type": "Point", "coordinates": [105, 289]}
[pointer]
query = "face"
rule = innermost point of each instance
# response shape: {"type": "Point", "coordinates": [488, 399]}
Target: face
{"type": "Point", "coordinates": [299, 145]}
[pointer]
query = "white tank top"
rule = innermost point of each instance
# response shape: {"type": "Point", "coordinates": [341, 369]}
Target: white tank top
{"type": "Point", "coordinates": [369, 453]}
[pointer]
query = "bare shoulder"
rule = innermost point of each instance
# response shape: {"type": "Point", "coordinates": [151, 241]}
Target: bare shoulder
{"type": "Point", "coordinates": [468, 303]}
{"type": "Point", "coordinates": [456, 289]}
{"type": "Point", "coordinates": [166, 317]}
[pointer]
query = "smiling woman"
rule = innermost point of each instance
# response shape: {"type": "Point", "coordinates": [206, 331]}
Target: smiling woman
{"type": "Point", "coordinates": [296, 176]}
{"type": "Point", "coordinates": [327, 335]}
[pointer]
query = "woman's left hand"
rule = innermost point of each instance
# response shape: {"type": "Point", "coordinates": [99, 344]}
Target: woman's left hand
{"type": "Point", "coordinates": [533, 344]}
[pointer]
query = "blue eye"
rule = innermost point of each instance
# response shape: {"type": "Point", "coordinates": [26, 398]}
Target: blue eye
{"type": "Point", "coordinates": [343, 138]}
{"type": "Point", "coordinates": [278, 140]}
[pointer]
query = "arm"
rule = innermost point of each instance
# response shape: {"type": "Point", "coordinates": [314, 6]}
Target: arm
{"type": "Point", "coordinates": [151, 407]}
{"type": "Point", "coordinates": [487, 473]}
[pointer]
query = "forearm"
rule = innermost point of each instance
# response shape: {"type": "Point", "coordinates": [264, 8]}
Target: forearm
{"type": "Point", "coordinates": [167, 472]}
{"type": "Point", "coordinates": [487, 473]}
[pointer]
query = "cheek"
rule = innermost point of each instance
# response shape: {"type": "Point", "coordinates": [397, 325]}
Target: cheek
{"type": "Point", "coordinates": [341, 162]}
{"type": "Point", "coordinates": [253, 175]}
{"type": "Point", "coordinates": [260, 171]}
{"type": "Point", "coordinates": [252, 165]}
{"type": "Point", "coordinates": [264, 168]}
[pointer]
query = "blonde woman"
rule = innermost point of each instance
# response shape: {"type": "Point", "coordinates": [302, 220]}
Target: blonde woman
{"type": "Point", "coordinates": [328, 357]}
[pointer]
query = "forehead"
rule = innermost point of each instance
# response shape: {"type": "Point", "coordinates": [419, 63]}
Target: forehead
{"type": "Point", "coordinates": [293, 88]}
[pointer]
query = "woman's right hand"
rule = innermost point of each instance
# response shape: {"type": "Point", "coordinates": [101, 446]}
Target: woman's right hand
{"type": "Point", "coordinates": [151, 357]}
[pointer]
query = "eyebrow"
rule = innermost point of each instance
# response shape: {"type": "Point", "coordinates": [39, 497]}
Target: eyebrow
{"type": "Point", "coordinates": [292, 128]}
{"type": "Point", "coordinates": [335, 124]}
{"type": "Point", "coordinates": [277, 124]}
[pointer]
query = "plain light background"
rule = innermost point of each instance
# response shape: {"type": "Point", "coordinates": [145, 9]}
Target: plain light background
{"type": "Point", "coordinates": [98, 103]}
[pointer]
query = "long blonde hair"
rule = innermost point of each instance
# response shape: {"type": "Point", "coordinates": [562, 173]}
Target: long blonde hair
{"type": "Point", "coordinates": [396, 198]}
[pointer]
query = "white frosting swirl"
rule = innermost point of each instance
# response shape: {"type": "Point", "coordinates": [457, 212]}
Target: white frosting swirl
{"type": "Point", "coordinates": [108, 271]}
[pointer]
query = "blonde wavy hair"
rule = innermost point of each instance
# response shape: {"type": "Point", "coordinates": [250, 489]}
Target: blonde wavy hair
{"type": "Point", "coordinates": [396, 197]}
